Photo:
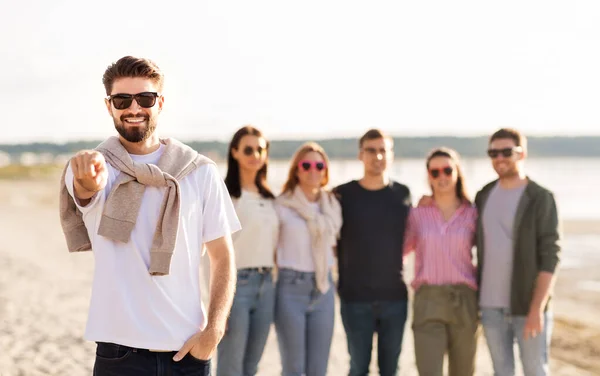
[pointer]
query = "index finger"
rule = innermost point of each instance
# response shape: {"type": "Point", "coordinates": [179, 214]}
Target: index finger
{"type": "Point", "coordinates": [97, 160]}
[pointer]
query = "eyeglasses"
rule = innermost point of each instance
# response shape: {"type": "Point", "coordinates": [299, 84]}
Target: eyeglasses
{"type": "Point", "coordinates": [374, 151]}
{"type": "Point", "coordinates": [249, 150]}
{"type": "Point", "coordinates": [436, 172]}
{"type": "Point", "coordinates": [506, 152]}
{"type": "Point", "coordinates": [307, 165]}
{"type": "Point", "coordinates": [123, 101]}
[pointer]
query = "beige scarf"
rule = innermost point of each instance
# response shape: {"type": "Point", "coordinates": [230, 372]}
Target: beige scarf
{"type": "Point", "coordinates": [124, 201]}
{"type": "Point", "coordinates": [324, 227]}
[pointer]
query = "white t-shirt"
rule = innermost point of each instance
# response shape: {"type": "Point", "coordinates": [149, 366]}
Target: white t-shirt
{"type": "Point", "coordinates": [129, 306]}
{"type": "Point", "coordinates": [294, 250]}
{"type": "Point", "coordinates": [255, 244]}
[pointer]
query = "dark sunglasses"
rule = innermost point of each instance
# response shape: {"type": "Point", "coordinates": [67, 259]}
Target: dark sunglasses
{"type": "Point", "coordinates": [122, 101]}
{"type": "Point", "coordinates": [436, 172]}
{"type": "Point", "coordinates": [249, 150]}
{"type": "Point", "coordinates": [506, 152]}
{"type": "Point", "coordinates": [306, 165]}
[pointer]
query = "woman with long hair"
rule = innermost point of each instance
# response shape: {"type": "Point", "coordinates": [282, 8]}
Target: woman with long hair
{"type": "Point", "coordinates": [445, 317]}
{"type": "Point", "coordinates": [311, 219]}
{"type": "Point", "coordinates": [251, 315]}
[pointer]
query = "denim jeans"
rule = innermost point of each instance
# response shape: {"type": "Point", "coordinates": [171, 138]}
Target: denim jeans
{"type": "Point", "coordinates": [361, 320]}
{"type": "Point", "coordinates": [117, 360]}
{"type": "Point", "coordinates": [501, 329]}
{"type": "Point", "coordinates": [249, 323]}
{"type": "Point", "coordinates": [304, 320]}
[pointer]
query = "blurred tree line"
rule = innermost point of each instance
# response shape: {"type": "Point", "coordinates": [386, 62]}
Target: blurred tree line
{"type": "Point", "coordinates": [406, 147]}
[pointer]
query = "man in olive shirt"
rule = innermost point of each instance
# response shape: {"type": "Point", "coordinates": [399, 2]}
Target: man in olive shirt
{"type": "Point", "coordinates": [371, 288]}
{"type": "Point", "coordinates": [518, 253]}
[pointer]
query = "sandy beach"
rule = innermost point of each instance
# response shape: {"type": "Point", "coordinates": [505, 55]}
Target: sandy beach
{"type": "Point", "coordinates": [44, 297]}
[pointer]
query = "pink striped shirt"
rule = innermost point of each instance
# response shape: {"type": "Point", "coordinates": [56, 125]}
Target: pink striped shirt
{"type": "Point", "coordinates": [442, 248]}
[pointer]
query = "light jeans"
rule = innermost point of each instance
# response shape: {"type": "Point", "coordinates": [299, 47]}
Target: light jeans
{"type": "Point", "coordinates": [304, 320]}
{"type": "Point", "coordinates": [249, 323]}
{"type": "Point", "coordinates": [501, 329]}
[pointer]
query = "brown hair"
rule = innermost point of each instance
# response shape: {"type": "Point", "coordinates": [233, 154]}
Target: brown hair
{"type": "Point", "coordinates": [130, 66]}
{"type": "Point", "coordinates": [232, 179]}
{"type": "Point", "coordinates": [461, 189]}
{"type": "Point", "coordinates": [511, 134]}
{"type": "Point", "coordinates": [292, 180]}
{"type": "Point", "coordinates": [373, 134]}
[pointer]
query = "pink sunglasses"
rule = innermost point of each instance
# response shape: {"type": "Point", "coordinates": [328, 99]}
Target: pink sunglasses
{"type": "Point", "coordinates": [307, 165]}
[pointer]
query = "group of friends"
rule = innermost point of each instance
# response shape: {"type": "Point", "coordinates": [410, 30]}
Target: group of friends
{"type": "Point", "coordinates": [150, 207]}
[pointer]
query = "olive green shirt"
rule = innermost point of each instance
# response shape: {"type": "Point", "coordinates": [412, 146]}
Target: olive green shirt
{"type": "Point", "coordinates": [536, 242]}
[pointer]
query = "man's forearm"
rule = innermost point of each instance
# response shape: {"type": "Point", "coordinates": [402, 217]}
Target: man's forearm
{"type": "Point", "coordinates": [222, 289]}
{"type": "Point", "coordinates": [543, 286]}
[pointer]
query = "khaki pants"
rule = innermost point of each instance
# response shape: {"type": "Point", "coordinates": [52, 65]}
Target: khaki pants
{"type": "Point", "coordinates": [445, 319]}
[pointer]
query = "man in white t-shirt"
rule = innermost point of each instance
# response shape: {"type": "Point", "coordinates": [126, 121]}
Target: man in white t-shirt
{"type": "Point", "coordinates": [146, 321]}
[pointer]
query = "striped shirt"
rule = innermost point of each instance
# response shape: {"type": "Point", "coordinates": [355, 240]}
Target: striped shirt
{"type": "Point", "coordinates": [442, 248]}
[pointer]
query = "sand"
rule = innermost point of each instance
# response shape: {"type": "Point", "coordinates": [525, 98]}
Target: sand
{"type": "Point", "coordinates": [45, 291]}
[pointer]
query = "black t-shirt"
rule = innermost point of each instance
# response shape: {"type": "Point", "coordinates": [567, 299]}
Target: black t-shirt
{"type": "Point", "coordinates": [371, 242]}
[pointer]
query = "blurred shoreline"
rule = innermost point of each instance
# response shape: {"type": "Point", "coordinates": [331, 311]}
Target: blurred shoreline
{"type": "Point", "coordinates": [337, 148]}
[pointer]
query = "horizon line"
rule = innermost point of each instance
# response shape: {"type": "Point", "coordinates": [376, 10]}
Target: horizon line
{"type": "Point", "coordinates": [325, 138]}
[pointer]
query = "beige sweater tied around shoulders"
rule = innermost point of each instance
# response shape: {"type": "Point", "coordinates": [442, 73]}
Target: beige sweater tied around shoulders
{"type": "Point", "coordinates": [124, 200]}
{"type": "Point", "coordinates": [324, 228]}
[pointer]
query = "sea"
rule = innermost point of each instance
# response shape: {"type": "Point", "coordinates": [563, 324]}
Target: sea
{"type": "Point", "coordinates": [572, 180]}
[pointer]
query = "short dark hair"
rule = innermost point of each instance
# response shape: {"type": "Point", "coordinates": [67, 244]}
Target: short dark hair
{"type": "Point", "coordinates": [373, 134]}
{"type": "Point", "coordinates": [130, 66]}
{"type": "Point", "coordinates": [511, 134]}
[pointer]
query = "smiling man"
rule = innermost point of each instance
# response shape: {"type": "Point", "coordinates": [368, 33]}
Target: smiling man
{"type": "Point", "coordinates": [147, 207]}
{"type": "Point", "coordinates": [372, 291]}
{"type": "Point", "coordinates": [518, 253]}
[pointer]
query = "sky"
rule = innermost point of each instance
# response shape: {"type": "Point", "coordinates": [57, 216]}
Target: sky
{"type": "Point", "coordinates": [310, 69]}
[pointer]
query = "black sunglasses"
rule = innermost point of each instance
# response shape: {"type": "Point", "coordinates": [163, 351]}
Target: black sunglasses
{"type": "Point", "coordinates": [122, 101]}
{"type": "Point", "coordinates": [506, 152]}
{"type": "Point", "coordinates": [249, 150]}
{"type": "Point", "coordinates": [435, 172]}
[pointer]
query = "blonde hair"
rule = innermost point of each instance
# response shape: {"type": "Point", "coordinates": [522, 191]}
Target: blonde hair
{"type": "Point", "coordinates": [292, 179]}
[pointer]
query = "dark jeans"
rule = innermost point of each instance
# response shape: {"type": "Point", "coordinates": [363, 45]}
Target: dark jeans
{"type": "Point", "coordinates": [117, 360]}
{"type": "Point", "coordinates": [361, 320]}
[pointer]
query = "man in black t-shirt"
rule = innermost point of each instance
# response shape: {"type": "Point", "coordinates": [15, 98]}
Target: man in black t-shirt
{"type": "Point", "coordinates": [372, 291]}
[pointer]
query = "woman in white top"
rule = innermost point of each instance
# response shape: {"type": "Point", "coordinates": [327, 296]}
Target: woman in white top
{"type": "Point", "coordinates": [251, 315]}
{"type": "Point", "coordinates": [310, 220]}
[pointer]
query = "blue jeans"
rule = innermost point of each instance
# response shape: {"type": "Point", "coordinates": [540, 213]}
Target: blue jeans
{"type": "Point", "coordinates": [249, 323]}
{"type": "Point", "coordinates": [304, 322]}
{"type": "Point", "coordinates": [118, 360]}
{"type": "Point", "coordinates": [501, 329]}
{"type": "Point", "coordinates": [361, 320]}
